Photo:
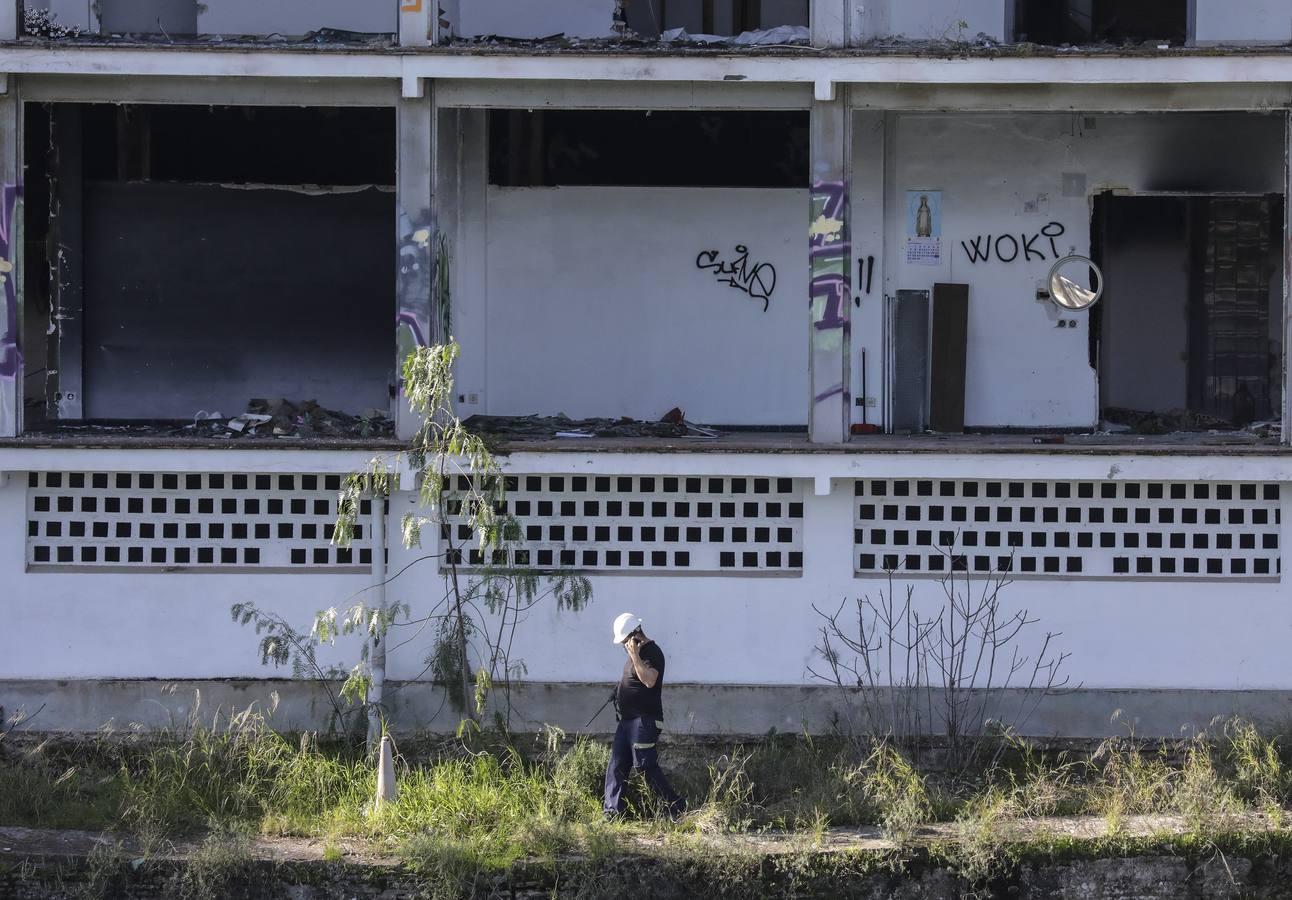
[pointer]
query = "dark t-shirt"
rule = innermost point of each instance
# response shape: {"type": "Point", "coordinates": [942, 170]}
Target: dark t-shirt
{"type": "Point", "coordinates": [635, 699]}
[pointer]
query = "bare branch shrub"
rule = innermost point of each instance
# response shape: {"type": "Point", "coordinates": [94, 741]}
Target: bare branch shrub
{"type": "Point", "coordinates": [958, 669]}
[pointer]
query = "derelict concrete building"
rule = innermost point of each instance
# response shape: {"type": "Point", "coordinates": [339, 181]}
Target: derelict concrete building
{"type": "Point", "coordinates": [785, 219]}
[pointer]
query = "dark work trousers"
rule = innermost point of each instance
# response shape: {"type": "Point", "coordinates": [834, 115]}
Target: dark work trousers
{"type": "Point", "coordinates": [635, 747]}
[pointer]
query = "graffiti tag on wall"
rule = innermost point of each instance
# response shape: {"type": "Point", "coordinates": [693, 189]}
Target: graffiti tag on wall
{"type": "Point", "coordinates": [414, 316]}
{"type": "Point", "coordinates": [1009, 248]}
{"type": "Point", "coordinates": [828, 297]}
{"type": "Point", "coordinates": [10, 350]}
{"type": "Point", "coordinates": [757, 280]}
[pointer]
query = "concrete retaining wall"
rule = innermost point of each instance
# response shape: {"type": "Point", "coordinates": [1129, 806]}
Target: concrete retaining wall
{"type": "Point", "coordinates": [800, 875]}
{"type": "Point", "coordinates": [89, 705]}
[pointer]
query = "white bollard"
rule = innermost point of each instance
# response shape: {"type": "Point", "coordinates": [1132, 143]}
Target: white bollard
{"type": "Point", "coordinates": [386, 789]}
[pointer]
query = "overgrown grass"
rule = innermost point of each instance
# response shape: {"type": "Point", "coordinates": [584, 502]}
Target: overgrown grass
{"type": "Point", "coordinates": [467, 813]}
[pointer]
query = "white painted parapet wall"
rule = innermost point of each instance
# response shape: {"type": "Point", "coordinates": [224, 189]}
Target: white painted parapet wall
{"type": "Point", "coordinates": [735, 625]}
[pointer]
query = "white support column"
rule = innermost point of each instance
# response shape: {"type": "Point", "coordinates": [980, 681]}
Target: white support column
{"type": "Point", "coordinates": [830, 290]}
{"type": "Point", "coordinates": [417, 323]}
{"type": "Point", "coordinates": [830, 22]}
{"type": "Point", "coordinates": [11, 393]}
{"type": "Point", "coordinates": [9, 14]}
{"type": "Point", "coordinates": [416, 22]}
{"type": "Point", "coordinates": [1286, 436]}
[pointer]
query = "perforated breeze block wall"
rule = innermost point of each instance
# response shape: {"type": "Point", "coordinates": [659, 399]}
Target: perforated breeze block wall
{"type": "Point", "coordinates": [660, 524]}
{"type": "Point", "coordinates": [171, 522]}
{"type": "Point", "coordinates": [1068, 529]}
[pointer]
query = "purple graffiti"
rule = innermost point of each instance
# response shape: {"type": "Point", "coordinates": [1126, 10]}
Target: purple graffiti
{"type": "Point", "coordinates": [830, 285]}
{"type": "Point", "coordinates": [410, 320]}
{"type": "Point", "coordinates": [827, 202]}
{"type": "Point", "coordinates": [10, 351]}
{"type": "Point", "coordinates": [416, 276]}
{"type": "Point", "coordinates": [828, 240]}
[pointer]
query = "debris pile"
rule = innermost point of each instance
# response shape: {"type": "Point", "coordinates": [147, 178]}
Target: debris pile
{"type": "Point", "coordinates": [283, 418]}
{"type": "Point", "coordinates": [782, 35]}
{"type": "Point", "coordinates": [1137, 421]}
{"type": "Point", "coordinates": [43, 23]}
{"type": "Point", "coordinates": [672, 425]}
{"type": "Point", "coordinates": [673, 38]}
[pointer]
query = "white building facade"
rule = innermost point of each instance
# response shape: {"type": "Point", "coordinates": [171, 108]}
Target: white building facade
{"type": "Point", "coordinates": [834, 247]}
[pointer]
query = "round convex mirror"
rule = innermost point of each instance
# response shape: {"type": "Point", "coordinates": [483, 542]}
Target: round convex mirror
{"type": "Point", "coordinates": [1075, 283]}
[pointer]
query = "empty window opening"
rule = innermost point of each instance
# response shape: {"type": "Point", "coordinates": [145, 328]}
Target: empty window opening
{"type": "Point", "coordinates": [170, 18]}
{"type": "Point", "coordinates": [662, 149]}
{"type": "Point", "coordinates": [192, 259]}
{"type": "Point", "coordinates": [1058, 22]}
{"type": "Point", "coordinates": [1189, 334]}
{"type": "Point", "coordinates": [650, 18]}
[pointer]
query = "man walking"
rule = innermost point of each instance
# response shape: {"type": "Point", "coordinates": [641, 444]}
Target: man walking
{"type": "Point", "coordinates": [639, 701]}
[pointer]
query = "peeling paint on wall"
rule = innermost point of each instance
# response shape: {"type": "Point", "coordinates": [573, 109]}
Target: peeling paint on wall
{"type": "Point", "coordinates": [828, 240]}
{"type": "Point", "coordinates": [10, 350]}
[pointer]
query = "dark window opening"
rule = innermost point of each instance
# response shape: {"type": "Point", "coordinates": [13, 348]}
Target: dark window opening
{"type": "Point", "coordinates": [659, 149]}
{"type": "Point", "coordinates": [239, 144]}
{"type": "Point", "coordinates": [206, 257]}
{"type": "Point", "coordinates": [167, 17]}
{"type": "Point", "coordinates": [1058, 22]}
{"type": "Point", "coordinates": [649, 18]}
{"type": "Point", "coordinates": [1188, 335]}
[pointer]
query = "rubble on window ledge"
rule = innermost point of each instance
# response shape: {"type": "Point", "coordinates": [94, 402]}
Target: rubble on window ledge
{"type": "Point", "coordinates": [1117, 420]}
{"type": "Point", "coordinates": [672, 425]}
{"type": "Point", "coordinates": [286, 419]}
{"type": "Point", "coordinates": [264, 420]}
{"type": "Point", "coordinates": [780, 36]}
{"type": "Point", "coordinates": [44, 25]}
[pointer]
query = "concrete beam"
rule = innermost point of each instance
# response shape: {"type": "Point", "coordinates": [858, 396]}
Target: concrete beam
{"type": "Point", "coordinates": [68, 59]}
{"type": "Point", "coordinates": [265, 462]}
{"type": "Point", "coordinates": [1124, 465]}
{"type": "Point", "coordinates": [854, 462]}
{"type": "Point", "coordinates": [496, 93]}
{"type": "Point", "coordinates": [1077, 98]}
{"type": "Point", "coordinates": [203, 90]}
{"type": "Point", "coordinates": [504, 94]}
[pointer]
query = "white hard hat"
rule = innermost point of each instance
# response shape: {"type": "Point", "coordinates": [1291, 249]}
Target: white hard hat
{"type": "Point", "coordinates": [625, 624]}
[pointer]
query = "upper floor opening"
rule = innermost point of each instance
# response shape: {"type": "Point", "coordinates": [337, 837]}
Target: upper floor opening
{"type": "Point", "coordinates": [1077, 22]}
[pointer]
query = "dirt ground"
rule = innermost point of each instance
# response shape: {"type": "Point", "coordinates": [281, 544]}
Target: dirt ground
{"type": "Point", "coordinates": [31, 843]}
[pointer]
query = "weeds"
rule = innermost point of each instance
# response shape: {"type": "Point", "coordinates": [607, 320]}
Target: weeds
{"type": "Point", "coordinates": [465, 816]}
{"type": "Point", "coordinates": [897, 793]}
{"type": "Point", "coordinates": [1129, 781]}
{"type": "Point", "coordinates": [980, 851]}
{"type": "Point", "coordinates": [1259, 774]}
{"type": "Point", "coordinates": [1207, 801]}
{"type": "Point", "coordinates": [102, 875]}
{"type": "Point", "coordinates": [217, 869]}
{"type": "Point", "coordinates": [57, 787]}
